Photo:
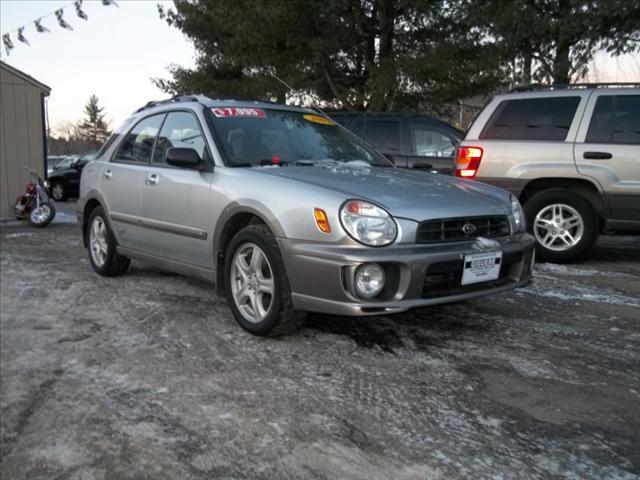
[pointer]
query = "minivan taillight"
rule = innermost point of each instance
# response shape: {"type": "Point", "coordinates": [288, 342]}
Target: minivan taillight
{"type": "Point", "coordinates": [468, 161]}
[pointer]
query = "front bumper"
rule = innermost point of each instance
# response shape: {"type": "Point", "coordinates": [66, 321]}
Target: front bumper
{"type": "Point", "coordinates": [321, 275]}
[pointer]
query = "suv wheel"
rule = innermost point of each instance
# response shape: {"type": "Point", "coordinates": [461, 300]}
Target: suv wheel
{"type": "Point", "coordinates": [59, 192]}
{"type": "Point", "coordinates": [564, 224]}
{"type": "Point", "coordinates": [103, 255]}
{"type": "Point", "coordinates": [257, 287]}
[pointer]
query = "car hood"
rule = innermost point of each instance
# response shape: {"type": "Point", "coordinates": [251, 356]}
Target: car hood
{"type": "Point", "coordinates": [403, 193]}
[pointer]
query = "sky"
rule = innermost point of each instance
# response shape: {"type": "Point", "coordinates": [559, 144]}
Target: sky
{"type": "Point", "coordinates": [115, 53]}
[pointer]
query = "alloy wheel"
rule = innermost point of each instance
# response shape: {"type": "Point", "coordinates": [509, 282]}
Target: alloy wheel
{"type": "Point", "coordinates": [57, 191]}
{"type": "Point", "coordinates": [40, 214]}
{"type": "Point", "coordinates": [98, 241]}
{"type": "Point", "coordinates": [252, 282]}
{"type": "Point", "coordinates": [558, 227]}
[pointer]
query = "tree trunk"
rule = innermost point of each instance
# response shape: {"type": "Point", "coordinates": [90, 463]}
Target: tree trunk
{"type": "Point", "coordinates": [562, 63]}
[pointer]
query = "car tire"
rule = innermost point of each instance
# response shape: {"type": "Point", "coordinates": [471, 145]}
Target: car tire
{"type": "Point", "coordinates": [245, 290]}
{"type": "Point", "coordinates": [59, 192]}
{"type": "Point", "coordinates": [103, 253]}
{"type": "Point", "coordinates": [564, 224]}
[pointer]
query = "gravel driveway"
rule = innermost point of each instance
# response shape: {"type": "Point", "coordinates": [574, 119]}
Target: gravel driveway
{"type": "Point", "coordinates": [148, 376]}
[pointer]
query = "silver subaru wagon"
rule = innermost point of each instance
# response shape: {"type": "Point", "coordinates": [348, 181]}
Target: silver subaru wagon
{"type": "Point", "coordinates": [286, 212]}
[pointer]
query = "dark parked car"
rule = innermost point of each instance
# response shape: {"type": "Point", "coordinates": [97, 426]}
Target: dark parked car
{"type": "Point", "coordinates": [410, 141]}
{"type": "Point", "coordinates": [65, 182]}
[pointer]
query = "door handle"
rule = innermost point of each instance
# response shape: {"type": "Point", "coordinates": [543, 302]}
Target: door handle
{"type": "Point", "coordinates": [108, 174]}
{"type": "Point", "coordinates": [153, 179]}
{"type": "Point", "coordinates": [597, 155]}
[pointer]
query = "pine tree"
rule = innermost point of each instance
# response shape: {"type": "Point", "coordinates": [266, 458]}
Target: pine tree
{"type": "Point", "coordinates": [94, 128]}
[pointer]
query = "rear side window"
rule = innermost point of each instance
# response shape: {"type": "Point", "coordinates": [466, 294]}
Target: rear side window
{"type": "Point", "coordinates": [180, 130]}
{"type": "Point", "coordinates": [383, 135]}
{"type": "Point", "coordinates": [616, 119]}
{"type": "Point", "coordinates": [138, 144]}
{"type": "Point", "coordinates": [429, 142]}
{"type": "Point", "coordinates": [532, 119]}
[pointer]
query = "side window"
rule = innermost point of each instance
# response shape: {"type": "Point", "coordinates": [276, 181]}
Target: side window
{"type": "Point", "coordinates": [532, 119]}
{"type": "Point", "coordinates": [138, 144]}
{"type": "Point", "coordinates": [429, 142]}
{"type": "Point", "coordinates": [615, 119]}
{"type": "Point", "coordinates": [180, 130]}
{"type": "Point", "coordinates": [383, 135]}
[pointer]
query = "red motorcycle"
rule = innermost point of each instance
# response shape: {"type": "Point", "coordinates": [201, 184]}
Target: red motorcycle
{"type": "Point", "coordinates": [34, 204]}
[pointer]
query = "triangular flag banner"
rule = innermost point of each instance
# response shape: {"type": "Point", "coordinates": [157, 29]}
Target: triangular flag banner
{"type": "Point", "coordinates": [81, 14]}
{"type": "Point", "coordinates": [61, 21]}
{"type": "Point", "coordinates": [21, 36]}
{"type": "Point", "coordinates": [40, 28]}
{"type": "Point", "coordinates": [8, 44]}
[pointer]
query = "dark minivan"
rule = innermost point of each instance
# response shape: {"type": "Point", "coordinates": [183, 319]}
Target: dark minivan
{"type": "Point", "coordinates": [410, 141]}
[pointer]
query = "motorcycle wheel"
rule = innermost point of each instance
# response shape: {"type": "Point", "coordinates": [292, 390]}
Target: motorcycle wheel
{"type": "Point", "coordinates": [41, 216]}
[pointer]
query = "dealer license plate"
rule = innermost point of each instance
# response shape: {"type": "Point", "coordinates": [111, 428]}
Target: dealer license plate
{"type": "Point", "coordinates": [481, 267]}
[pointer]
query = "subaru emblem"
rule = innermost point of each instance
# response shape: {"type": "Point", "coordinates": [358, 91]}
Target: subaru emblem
{"type": "Point", "coordinates": [468, 228]}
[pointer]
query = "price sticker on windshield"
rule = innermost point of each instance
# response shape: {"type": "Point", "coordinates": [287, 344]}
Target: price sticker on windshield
{"type": "Point", "coordinates": [319, 119]}
{"type": "Point", "coordinates": [223, 112]}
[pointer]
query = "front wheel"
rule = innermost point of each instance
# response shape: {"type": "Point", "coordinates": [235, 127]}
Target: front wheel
{"type": "Point", "coordinates": [103, 253]}
{"type": "Point", "coordinates": [564, 224]}
{"type": "Point", "coordinates": [59, 192]}
{"type": "Point", "coordinates": [42, 216]}
{"type": "Point", "coordinates": [257, 287]}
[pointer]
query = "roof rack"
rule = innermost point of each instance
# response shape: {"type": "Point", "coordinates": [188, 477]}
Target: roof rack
{"type": "Point", "coordinates": [574, 86]}
{"type": "Point", "coordinates": [175, 98]}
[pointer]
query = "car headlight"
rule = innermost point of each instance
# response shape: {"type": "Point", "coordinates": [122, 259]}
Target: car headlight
{"type": "Point", "coordinates": [518, 220]}
{"type": "Point", "coordinates": [367, 223]}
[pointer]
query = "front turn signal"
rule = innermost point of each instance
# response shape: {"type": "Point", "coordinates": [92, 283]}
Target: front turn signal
{"type": "Point", "coordinates": [322, 221]}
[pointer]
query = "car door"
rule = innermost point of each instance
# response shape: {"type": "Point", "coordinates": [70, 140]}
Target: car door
{"type": "Point", "coordinates": [122, 180]}
{"type": "Point", "coordinates": [607, 149]}
{"type": "Point", "coordinates": [383, 134]}
{"type": "Point", "coordinates": [430, 147]}
{"type": "Point", "coordinates": [175, 201]}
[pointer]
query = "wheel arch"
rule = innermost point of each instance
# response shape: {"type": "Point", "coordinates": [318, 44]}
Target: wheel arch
{"type": "Point", "coordinates": [232, 220]}
{"type": "Point", "coordinates": [585, 188]}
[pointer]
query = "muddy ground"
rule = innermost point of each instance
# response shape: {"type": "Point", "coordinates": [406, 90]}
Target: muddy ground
{"type": "Point", "coordinates": [148, 376]}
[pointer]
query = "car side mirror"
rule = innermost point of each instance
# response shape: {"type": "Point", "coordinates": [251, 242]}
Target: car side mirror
{"type": "Point", "coordinates": [184, 157]}
{"type": "Point", "coordinates": [390, 158]}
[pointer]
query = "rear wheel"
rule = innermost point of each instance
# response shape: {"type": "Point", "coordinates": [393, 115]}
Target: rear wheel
{"type": "Point", "coordinates": [257, 287]}
{"type": "Point", "coordinates": [564, 224]}
{"type": "Point", "coordinates": [103, 253]}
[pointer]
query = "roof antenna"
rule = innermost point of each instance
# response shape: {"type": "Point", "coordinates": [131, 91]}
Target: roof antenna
{"type": "Point", "coordinates": [291, 89]}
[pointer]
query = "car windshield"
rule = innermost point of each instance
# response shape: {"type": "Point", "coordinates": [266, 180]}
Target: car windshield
{"type": "Point", "coordinates": [66, 163]}
{"type": "Point", "coordinates": [253, 137]}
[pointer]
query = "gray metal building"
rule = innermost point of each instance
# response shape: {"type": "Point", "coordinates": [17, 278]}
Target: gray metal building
{"type": "Point", "coordinates": [23, 138]}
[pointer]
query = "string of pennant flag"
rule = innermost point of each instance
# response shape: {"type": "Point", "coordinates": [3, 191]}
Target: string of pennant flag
{"type": "Point", "coordinates": [19, 33]}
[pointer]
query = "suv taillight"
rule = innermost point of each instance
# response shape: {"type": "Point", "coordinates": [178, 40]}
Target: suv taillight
{"type": "Point", "coordinates": [468, 161]}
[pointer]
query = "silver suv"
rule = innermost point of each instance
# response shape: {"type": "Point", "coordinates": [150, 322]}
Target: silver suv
{"type": "Point", "coordinates": [287, 211]}
{"type": "Point", "coordinates": [570, 154]}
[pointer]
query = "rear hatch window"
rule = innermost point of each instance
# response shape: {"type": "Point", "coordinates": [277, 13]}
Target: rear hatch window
{"type": "Point", "coordinates": [532, 119]}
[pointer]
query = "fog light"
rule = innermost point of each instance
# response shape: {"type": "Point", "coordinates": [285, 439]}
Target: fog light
{"type": "Point", "coordinates": [369, 280]}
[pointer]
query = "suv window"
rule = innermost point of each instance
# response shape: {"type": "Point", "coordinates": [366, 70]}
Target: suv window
{"type": "Point", "coordinates": [182, 130]}
{"type": "Point", "coordinates": [428, 142]}
{"type": "Point", "coordinates": [138, 144]}
{"type": "Point", "coordinates": [532, 119]}
{"type": "Point", "coordinates": [616, 119]}
{"type": "Point", "coordinates": [383, 135]}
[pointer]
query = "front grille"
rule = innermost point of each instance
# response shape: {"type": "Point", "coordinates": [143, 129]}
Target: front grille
{"type": "Point", "coordinates": [458, 229]}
